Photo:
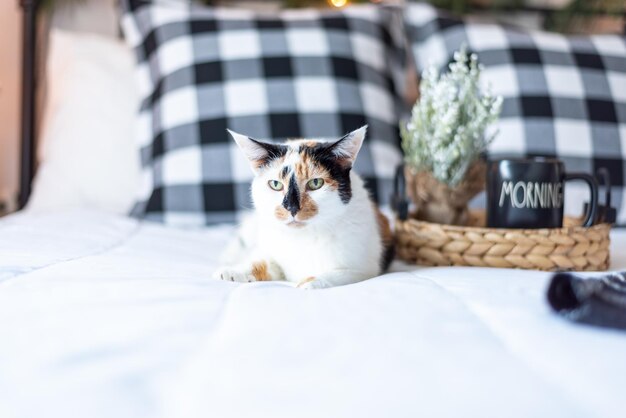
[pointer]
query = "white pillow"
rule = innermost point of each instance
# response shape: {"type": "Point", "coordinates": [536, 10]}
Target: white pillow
{"type": "Point", "coordinates": [88, 157]}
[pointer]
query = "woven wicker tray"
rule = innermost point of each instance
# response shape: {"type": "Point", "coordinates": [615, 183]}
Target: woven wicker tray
{"type": "Point", "coordinates": [571, 247]}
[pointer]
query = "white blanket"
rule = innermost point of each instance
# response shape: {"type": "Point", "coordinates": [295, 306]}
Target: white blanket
{"type": "Point", "coordinates": [105, 317]}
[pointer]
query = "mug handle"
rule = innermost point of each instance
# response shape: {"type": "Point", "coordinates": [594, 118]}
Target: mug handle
{"type": "Point", "coordinates": [591, 181]}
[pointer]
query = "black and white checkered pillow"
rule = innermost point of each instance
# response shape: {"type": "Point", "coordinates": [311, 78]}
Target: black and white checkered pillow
{"type": "Point", "coordinates": [563, 96]}
{"type": "Point", "coordinates": [302, 73]}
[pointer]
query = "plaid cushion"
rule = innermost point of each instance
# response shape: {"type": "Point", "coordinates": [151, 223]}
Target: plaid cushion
{"type": "Point", "coordinates": [563, 96]}
{"type": "Point", "coordinates": [303, 73]}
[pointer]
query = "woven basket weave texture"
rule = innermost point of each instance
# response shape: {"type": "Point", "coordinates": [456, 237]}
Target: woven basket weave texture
{"type": "Point", "coordinates": [571, 247]}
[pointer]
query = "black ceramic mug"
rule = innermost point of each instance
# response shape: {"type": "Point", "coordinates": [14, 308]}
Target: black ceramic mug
{"type": "Point", "coordinates": [528, 193]}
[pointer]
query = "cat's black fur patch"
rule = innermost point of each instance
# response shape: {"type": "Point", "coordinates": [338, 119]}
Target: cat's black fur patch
{"type": "Point", "coordinates": [274, 151]}
{"type": "Point", "coordinates": [389, 253]}
{"type": "Point", "coordinates": [340, 171]}
{"type": "Point", "coordinates": [291, 201]}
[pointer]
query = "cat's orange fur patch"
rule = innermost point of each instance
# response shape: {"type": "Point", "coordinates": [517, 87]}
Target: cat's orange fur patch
{"type": "Point", "coordinates": [305, 281]}
{"type": "Point", "coordinates": [260, 163]}
{"type": "Point", "coordinates": [332, 184]}
{"type": "Point", "coordinates": [303, 169]}
{"type": "Point", "coordinates": [259, 271]}
{"type": "Point", "coordinates": [308, 208]}
{"type": "Point", "coordinates": [281, 213]}
{"type": "Point", "coordinates": [384, 228]}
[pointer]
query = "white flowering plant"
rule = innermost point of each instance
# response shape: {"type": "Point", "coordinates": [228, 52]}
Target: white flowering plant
{"type": "Point", "coordinates": [446, 132]}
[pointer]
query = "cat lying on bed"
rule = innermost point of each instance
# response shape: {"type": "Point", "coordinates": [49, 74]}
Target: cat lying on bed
{"type": "Point", "coordinates": [314, 223]}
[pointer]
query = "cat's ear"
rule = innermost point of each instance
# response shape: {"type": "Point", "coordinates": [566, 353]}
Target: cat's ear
{"type": "Point", "coordinates": [348, 146]}
{"type": "Point", "coordinates": [258, 153]}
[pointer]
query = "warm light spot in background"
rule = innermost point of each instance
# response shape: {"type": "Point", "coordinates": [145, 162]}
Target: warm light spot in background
{"type": "Point", "coordinates": [338, 3]}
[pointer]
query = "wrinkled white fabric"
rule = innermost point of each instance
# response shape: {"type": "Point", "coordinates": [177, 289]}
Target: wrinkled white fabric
{"type": "Point", "coordinates": [102, 316]}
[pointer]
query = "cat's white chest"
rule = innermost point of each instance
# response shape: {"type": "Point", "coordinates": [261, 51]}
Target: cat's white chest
{"type": "Point", "coordinates": [302, 256]}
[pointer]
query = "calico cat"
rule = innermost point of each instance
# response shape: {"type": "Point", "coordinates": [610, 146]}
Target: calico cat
{"type": "Point", "coordinates": [314, 222]}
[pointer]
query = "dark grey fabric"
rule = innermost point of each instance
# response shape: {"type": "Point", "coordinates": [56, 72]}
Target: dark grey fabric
{"type": "Point", "coordinates": [597, 301]}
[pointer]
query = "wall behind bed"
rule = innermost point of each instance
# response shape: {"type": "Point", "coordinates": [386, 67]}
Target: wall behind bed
{"type": "Point", "coordinates": [89, 16]}
{"type": "Point", "coordinates": [94, 16]}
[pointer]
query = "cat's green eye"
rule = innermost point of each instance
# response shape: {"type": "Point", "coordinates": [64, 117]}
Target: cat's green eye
{"type": "Point", "coordinates": [275, 185]}
{"type": "Point", "coordinates": [315, 184]}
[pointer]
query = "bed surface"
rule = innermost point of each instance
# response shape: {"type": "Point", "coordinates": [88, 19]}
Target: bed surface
{"type": "Point", "coordinates": [102, 316]}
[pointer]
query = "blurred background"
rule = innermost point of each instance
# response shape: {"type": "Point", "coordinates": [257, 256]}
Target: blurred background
{"type": "Point", "coordinates": [567, 16]}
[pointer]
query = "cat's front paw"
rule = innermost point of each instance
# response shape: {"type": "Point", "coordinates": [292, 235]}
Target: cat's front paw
{"type": "Point", "coordinates": [311, 283]}
{"type": "Point", "coordinates": [230, 274]}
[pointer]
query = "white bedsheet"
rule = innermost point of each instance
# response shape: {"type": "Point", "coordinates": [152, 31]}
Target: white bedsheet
{"type": "Point", "coordinates": [102, 316]}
